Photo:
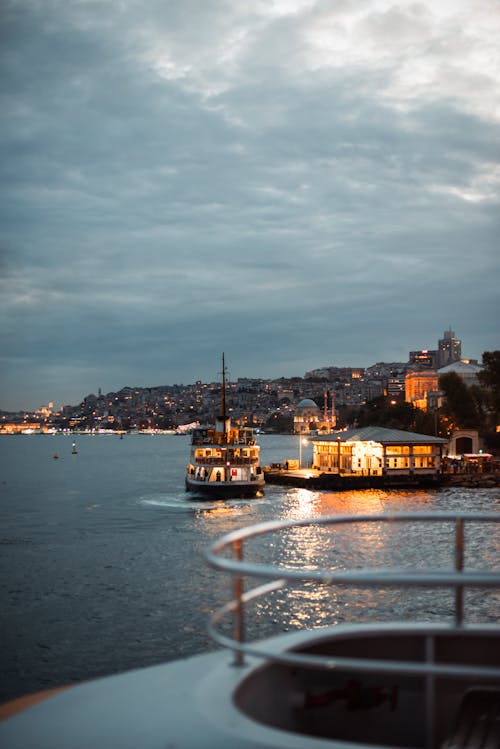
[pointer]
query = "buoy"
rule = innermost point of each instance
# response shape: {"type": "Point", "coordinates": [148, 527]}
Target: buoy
{"type": "Point", "coordinates": [56, 456]}
{"type": "Point", "coordinates": [73, 449]}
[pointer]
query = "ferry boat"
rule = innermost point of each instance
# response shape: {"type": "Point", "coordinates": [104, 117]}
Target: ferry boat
{"type": "Point", "coordinates": [224, 460]}
{"type": "Point", "coordinates": [413, 683]}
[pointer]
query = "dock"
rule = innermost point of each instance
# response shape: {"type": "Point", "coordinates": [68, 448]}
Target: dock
{"type": "Point", "coordinates": [309, 478]}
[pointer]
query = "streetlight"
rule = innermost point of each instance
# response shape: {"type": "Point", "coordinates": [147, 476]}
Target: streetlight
{"type": "Point", "coordinates": [302, 441]}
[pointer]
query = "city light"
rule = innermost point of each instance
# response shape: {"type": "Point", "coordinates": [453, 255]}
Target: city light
{"type": "Point", "coordinates": [302, 441]}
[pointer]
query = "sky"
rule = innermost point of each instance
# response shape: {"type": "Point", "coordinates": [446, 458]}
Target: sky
{"type": "Point", "coordinates": [297, 183]}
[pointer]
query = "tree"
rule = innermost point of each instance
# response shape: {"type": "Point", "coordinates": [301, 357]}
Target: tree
{"type": "Point", "coordinates": [394, 414]}
{"type": "Point", "coordinates": [459, 406]}
{"type": "Point", "coordinates": [280, 423]}
{"type": "Point", "coordinates": [489, 378]}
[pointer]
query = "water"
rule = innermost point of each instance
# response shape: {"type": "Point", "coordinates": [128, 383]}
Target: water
{"type": "Point", "coordinates": [101, 566]}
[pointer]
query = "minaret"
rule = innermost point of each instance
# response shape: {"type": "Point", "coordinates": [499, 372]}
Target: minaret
{"type": "Point", "coordinates": [334, 416]}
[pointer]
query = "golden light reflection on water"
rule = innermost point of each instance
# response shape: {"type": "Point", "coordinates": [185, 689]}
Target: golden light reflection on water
{"type": "Point", "coordinates": [311, 547]}
{"type": "Point", "coordinates": [417, 546]}
{"type": "Point", "coordinates": [371, 501]}
{"type": "Point", "coordinates": [312, 607]}
{"type": "Point", "coordinates": [356, 546]}
{"type": "Point", "coordinates": [303, 505]}
{"type": "Point", "coordinates": [225, 515]}
{"type": "Point", "coordinates": [406, 546]}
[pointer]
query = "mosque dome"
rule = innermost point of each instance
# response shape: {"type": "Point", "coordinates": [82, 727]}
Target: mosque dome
{"type": "Point", "coordinates": [306, 403]}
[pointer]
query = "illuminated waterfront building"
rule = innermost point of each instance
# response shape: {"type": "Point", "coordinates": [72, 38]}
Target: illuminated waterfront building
{"type": "Point", "coordinates": [376, 451]}
{"type": "Point", "coordinates": [25, 427]}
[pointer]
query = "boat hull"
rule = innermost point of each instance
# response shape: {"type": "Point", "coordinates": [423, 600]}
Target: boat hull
{"type": "Point", "coordinates": [225, 489]}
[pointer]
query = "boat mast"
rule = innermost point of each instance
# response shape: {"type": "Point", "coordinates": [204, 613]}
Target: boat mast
{"type": "Point", "coordinates": [223, 423]}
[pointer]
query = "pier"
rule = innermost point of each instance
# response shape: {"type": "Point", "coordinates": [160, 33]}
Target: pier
{"type": "Point", "coordinates": [309, 478]}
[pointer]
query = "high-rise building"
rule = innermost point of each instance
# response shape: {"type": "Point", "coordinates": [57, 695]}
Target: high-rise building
{"type": "Point", "coordinates": [449, 349]}
{"type": "Point", "coordinates": [423, 358]}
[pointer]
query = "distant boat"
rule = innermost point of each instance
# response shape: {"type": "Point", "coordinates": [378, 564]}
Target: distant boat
{"type": "Point", "coordinates": [73, 449]}
{"type": "Point", "coordinates": [184, 429]}
{"type": "Point", "coordinates": [224, 460]}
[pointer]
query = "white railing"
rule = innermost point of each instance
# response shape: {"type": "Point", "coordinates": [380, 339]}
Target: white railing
{"type": "Point", "coordinates": [456, 579]}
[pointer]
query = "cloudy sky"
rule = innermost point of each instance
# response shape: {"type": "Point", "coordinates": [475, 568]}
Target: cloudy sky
{"type": "Point", "coordinates": [298, 183]}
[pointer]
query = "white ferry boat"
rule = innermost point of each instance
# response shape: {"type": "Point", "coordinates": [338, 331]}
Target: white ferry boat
{"type": "Point", "coordinates": [412, 684]}
{"type": "Point", "coordinates": [224, 460]}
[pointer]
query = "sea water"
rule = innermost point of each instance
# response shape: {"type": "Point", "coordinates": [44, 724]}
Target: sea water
{"type": "Point", "coordinates": [101, 553]}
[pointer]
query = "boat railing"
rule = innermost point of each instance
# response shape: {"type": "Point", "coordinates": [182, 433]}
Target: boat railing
{"type": "Point", "coordinates": [234, 461]}
{"type": "Point", "coordinates": [278, 577]}
{"type": "Point", "coordinates": [223, 440]}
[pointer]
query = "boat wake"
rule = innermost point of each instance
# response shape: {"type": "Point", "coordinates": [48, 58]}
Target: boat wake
{"type": "Point", "coordinates": [190, 503]}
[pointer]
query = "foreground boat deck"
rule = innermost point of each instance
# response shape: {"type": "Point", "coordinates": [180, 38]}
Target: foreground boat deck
{"type": "Point", "coordinates": [207, 702]}
{"type": "Point", "coordinates": [185, 704]}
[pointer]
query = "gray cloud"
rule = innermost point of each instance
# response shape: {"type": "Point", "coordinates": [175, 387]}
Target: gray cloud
{"type": "Point", "coordinates": [299, 184]}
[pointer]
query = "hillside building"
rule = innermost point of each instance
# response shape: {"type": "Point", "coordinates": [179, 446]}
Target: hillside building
{"type": "Point", "coordinates": [449, 349]}
{"type": "Point", "coordinates": [419, 382]}
{"type": "Point", "coordinates": [467, 371]}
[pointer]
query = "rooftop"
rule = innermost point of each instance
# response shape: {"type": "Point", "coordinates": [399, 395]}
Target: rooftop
{"type": "Point", "coordinates": [382, 435]}
{"type": "Point", "coordinates": [460, 366]}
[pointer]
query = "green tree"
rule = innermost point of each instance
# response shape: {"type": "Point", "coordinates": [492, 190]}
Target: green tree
{"type": "Point", "coordinates": [489, 395]}
{"type": "Point", "coordinates": [489, 378]}
{"type": "Point", "coordinates": [395, 414]}
{"type": "Point", "coordinates": [460, 406]}
{"type": "Point", "coordinates": [282, 423]}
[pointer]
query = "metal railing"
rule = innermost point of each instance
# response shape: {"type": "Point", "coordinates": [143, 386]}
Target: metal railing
{"type": "Point", "coordinates": [456, 579]}
{"type": "Point", "coordinates": [235, 461]}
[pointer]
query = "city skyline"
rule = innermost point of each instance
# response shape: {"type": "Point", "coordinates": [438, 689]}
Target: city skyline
{"type": "Point", "coordinates": [297, 183]}
{"type": "Point", "coordinates": [426, 359]}
{"type": "Point", "coordinates": [406, 360]}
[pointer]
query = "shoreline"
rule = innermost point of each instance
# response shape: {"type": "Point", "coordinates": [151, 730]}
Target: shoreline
{"type": "Point", "coordinates": [487, 480]}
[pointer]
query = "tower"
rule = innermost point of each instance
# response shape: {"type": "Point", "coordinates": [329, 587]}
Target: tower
{"type": "Point", "coordinates": [449, 349]}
